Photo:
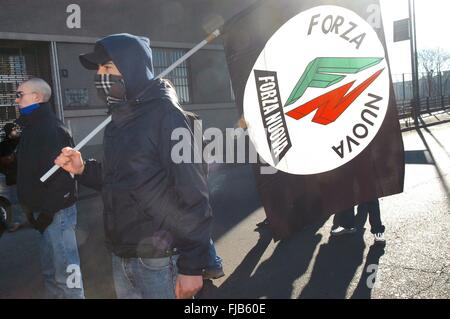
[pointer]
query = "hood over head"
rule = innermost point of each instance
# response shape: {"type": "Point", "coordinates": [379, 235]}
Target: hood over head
{"type": "Point", "coordinates": [131, 54]}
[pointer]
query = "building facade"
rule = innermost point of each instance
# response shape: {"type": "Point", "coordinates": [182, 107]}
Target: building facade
{"type": "Point", "coordinates": [44, 38]}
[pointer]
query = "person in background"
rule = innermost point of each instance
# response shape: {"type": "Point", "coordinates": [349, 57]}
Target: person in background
{"type": "Point", "coordinates": [8, 166]}
{"type": "Point", "coordinates": [50, 206]}
{"type": "Point", "coordinates": [344, 222]}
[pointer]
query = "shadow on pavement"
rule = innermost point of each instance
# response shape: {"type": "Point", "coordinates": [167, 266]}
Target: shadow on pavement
{"type": "Point", "coordinates": [274, 277]}
{"type": "Point", "coordinates": [418, 157]}
{"type": "Point", "coordinates": [337, 263]}
{"type": "Point", "coordinates": [369, 273]}
{"type": "Point", "coordinates": [335, 266]}
{"type": "Point", "coordinates": [436, 165]}
{"type": "Point", "coordinates": [426, 129]}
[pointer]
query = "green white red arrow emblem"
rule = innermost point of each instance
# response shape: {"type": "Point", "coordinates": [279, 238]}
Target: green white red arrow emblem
{"type": "Point", "coordinates": [323, 73]}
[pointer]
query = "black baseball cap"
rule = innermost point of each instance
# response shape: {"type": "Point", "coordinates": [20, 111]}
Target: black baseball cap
{"type": "Point", "coordinates": [91, 60]}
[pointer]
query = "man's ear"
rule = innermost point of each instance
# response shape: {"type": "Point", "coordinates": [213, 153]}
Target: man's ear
{"type": "Point", "coordinates": [38, 98]}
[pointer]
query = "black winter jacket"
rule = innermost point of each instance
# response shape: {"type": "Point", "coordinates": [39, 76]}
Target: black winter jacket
{"type": "Point", "coordinates": [152, 206]}
{"type": "Point", "coordinates": [8, 160]}
{"type": "Point", "coordinates": [43, 136]}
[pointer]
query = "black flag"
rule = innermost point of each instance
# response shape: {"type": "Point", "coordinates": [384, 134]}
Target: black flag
{"type": "Point", "coordinates": [312, 81]}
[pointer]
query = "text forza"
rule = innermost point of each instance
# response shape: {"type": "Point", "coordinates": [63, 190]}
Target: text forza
{"type": "Point", "coordinates": [359, 131]}
{"type": "Point", "coordinates": [337, 25]}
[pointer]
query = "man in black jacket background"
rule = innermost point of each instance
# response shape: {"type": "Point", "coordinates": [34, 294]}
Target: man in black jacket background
{"type": "Point", "coordinates": [157, 215]}
{"type": "Point", "coordinates": [50, 206]}
{"type": "Point", "coordinates": [8, 147]}
{"type": "Point", "coordinates": [8, 167]}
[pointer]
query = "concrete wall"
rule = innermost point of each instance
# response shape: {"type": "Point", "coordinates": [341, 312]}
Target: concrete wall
{"type": "Point", "coordinates": [162, 20]}
{"type": "Point", "coordinates": [75, 76]}
{"type": "Point", "coordinates": [168, 23]}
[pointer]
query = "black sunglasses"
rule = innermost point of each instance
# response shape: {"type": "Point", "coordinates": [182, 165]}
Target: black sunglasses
{"type": "Point", "coordinates": [20, 94]}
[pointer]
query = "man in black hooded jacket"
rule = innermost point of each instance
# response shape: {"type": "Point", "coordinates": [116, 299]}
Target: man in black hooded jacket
{"type": "Point", "coordinates": [157, 215]}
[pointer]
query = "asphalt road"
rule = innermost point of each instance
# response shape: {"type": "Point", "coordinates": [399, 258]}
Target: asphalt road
{"type": "Point", "coordinates": [414, 263]}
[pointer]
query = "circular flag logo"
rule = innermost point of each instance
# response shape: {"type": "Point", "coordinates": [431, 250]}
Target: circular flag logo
{"type": "Point", "coordinates": [318, 92]}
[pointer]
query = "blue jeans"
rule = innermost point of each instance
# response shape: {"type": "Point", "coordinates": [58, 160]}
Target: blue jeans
{"type": "Point", "coordinates": [59, 257]}
{"type": "Point", "coordinates": [145, 278]}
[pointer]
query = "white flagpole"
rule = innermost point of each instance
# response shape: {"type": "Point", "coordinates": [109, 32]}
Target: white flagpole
{"type": "Point", "coordinates": [188, 54]}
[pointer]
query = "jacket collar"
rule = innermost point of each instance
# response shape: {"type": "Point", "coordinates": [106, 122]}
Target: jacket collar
{"type": "Point", "coordinates": [122, 113]}
{"type": "Point", "coordinates": [36, 116]}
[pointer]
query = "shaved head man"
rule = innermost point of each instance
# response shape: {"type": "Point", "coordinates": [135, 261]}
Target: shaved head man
{"type": "Point", "coordinates": [49, 207]}
{"type": "Point", "coordinates": [33, 91]}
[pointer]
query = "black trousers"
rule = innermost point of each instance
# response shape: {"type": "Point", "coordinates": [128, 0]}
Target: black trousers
{"type": "Point", "coordinates": [3, 225]}
{"type": "Point", "coordinates": [346, 218]}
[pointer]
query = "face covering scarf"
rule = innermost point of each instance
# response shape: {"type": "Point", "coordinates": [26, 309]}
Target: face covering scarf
{"type": "Point", "coordinates": [111, 88]}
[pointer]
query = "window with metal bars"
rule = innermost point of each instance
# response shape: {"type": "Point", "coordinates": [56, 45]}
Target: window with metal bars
{"type": "Point", "coordinates": [13, 71]}
{"type": "Point", "coordinates": [165, 57]}
{"type": "Point", "coordinates": [19, 61]}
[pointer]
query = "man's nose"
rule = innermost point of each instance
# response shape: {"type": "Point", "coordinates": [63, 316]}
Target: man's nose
{"type": "Point", "coordinates": [100, 70]}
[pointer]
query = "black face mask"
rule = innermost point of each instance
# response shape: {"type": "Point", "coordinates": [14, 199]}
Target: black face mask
{"type": "Point", "coordinates": [110, 88]}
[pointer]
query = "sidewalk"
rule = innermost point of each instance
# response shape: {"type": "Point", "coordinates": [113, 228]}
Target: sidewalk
{"type": "Point", "coordinates": [425, 119]}
{"type": "Point", "coordinates": [414, 263]}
